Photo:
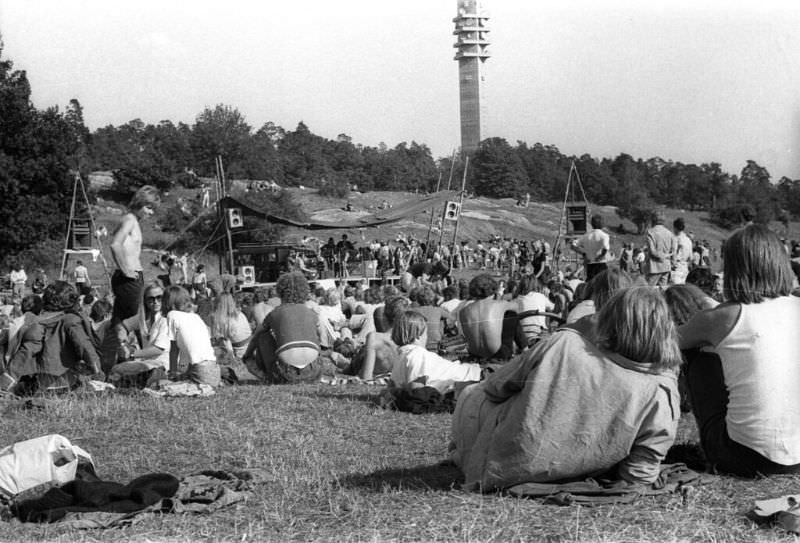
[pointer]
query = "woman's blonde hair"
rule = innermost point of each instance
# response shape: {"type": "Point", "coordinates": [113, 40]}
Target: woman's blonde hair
{"type": "Point", "coordinates": [332, 297]}
{"type": "Point", "coordinates": [637, 324]}
{"type": "Point", "coordinates": [224, 314]}
{"type": "Point", "coordinates": [603, 285]}
{"type": "Point", "coordinates": [408, 327]}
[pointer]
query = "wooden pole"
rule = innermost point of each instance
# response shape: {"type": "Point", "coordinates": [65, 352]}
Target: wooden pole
{"type": "Point", "coordinates": [460, 203]}
{"type": "Point", "coordinates": [430, 225]}
{"type": "Point", "coordinates": [228, 236]}
{"type": "Point", "coordinates": [452, 167]}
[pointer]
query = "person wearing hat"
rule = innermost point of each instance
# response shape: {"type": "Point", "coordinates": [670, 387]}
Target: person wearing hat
{"type": "Point", "coordinates": [660, 248]}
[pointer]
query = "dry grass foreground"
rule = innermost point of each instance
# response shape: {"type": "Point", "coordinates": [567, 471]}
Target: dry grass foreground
{"type": "Point", "coordinates": [344, 469]}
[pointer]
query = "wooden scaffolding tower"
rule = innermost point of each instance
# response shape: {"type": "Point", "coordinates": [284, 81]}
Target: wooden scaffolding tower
{"type": "Point", "coordinates": [82, 236]}
{"type": "Point", "coordinates": [574, 218]}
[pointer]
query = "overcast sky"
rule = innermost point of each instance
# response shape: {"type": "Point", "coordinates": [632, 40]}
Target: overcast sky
{"type": "Point", "coordinates": [687, 81]}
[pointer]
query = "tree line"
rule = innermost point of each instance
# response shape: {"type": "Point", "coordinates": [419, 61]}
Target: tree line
{"type": "Point", "coordinates": [41, 149]}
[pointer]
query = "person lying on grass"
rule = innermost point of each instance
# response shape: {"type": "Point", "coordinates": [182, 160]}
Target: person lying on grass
{"type": "Point", "coordinates": [745, 397]}
{"type": "Point", "coordinates": [285, 348]}
{"type": "Point", "coordinates": [191, 355]}
{"type": "Point", "coordinates": [418, 365]}
{"type": "Point", "coordinates": [570, 409]}
{"type": "Point", "coordinates": [379, 354]}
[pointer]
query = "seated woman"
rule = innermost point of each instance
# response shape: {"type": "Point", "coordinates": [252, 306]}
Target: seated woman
{"type": "Point", "coordinates": [331, 318]}
{"type": "Point", "coordinates": [191, 355]}
{"type": "Point", "coordinates": [229, 326]}
{"type": "Point", "coordinates": [57, 347]}
{"type": "Point", "coordinates": [363, 316]}
{"type": "Point", "coordinates": [285, 348]}
{"type": "Point", "coordinates": [380, 353]}
{"type": "Point", "coordinates": [150, 327]}
{"type": "Point", "coordinates": [570, 409]}
{"type": "Point", "coordinates": [745, 401]}
{"type": "Point", "coordinates": [416, 364]}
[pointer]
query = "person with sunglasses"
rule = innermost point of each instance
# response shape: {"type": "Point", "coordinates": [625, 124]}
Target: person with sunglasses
{"type": "Point", "coordinates": [150, 329]}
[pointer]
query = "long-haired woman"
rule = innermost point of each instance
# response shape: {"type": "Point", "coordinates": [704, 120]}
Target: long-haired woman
{"type": "Point", "coordinates": [230, 326]}
{"type": "Point", "coordinates": [745, 401]}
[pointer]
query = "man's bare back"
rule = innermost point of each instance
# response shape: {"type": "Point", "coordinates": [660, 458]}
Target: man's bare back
{"type": "Point", "coordinates": [482, 323]}
{"type": "Point", "coordinates": [380, 355]}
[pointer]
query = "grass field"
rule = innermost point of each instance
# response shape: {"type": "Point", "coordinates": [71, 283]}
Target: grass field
{"type": "Point", "coordinates": [343, 469]}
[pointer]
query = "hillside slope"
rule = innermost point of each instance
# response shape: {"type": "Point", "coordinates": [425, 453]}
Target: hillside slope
{"type": "Point", "coordinates": [481, 218]}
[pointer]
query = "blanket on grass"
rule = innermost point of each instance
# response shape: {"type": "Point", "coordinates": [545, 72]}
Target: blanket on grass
{"type": "Point", "coordinates": [673, 478]}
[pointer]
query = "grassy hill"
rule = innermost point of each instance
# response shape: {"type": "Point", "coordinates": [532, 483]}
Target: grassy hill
{"type": "Point", "coordinates": [481, 218]}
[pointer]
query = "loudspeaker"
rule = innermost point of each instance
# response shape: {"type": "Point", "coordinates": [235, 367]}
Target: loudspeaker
{"type": "Point", "coordinates": [577, 219]}
{"type": "Point", "coordinates": [248, 275]}
{"type": "Point", "coordinates": [235, 217]}
{"type": "Point", "coordinates": [452, 211]}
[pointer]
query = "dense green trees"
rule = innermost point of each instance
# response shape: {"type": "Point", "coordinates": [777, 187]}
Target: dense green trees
{"type": "Point", "coordinates": [38, 151]}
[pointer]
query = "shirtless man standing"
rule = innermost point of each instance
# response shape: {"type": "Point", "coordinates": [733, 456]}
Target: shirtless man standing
{"type": "Point", "coordinates": [127, 281]}
{"type": "Point", "coordinates": [489, 325]}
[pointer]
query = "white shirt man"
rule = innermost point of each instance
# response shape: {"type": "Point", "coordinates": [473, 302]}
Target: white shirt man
{"type": "Point", "coordinates": [683, 253]}
{"type": "Point", "coordinates": [595, 247]}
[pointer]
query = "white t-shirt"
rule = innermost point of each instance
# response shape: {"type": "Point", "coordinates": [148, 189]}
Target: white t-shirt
{"type": "Point", "coordinates": [81, 274]}
{"type": "Point", "coordinates": [157, 336]}
{"type": "Point", "coordinates": [592, 243]}
{"type": "Point", "coordinates": [191, 334]}
{"type": "Point", "coordinates": [683, 253]}
{"type": "Point", "coordinates": [759, 362]}
{"type": "Point", "coordinates": [415, 362]}
{"type": "Point", "coordinates": [535, 301]}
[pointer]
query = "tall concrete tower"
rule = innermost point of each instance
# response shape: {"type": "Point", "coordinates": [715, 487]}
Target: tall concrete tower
{"type": "Point", "coordinates": [471, 52]}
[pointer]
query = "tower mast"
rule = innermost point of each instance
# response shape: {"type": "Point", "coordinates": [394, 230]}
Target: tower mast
{"type": "Point", "coordinates": [471, 31]}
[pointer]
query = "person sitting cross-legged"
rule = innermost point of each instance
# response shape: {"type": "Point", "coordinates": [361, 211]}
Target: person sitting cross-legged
{"type": "Point", "coordinates": [285, 347]}
{"type": "Point", "coordinates": [489, 325]}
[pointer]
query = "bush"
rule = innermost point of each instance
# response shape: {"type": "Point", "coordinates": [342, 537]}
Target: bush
{"type": "Point", "coordinates": [335, 189]}
{"type": "Point", "coordinates": [190, 180]}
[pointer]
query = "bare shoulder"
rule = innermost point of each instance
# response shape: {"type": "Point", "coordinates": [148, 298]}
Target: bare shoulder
{"type": "Point", "coordinates": [127, 223]}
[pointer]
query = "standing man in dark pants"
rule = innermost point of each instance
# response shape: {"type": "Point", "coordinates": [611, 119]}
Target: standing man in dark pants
{"type": "Point", "coordinates": [127, 281]}
{"type": "Point", "coordinates": [595, 246]}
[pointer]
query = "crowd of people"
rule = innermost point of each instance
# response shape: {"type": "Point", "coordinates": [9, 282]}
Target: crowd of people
{"type": "Point", "coordinates": [597, 360]}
